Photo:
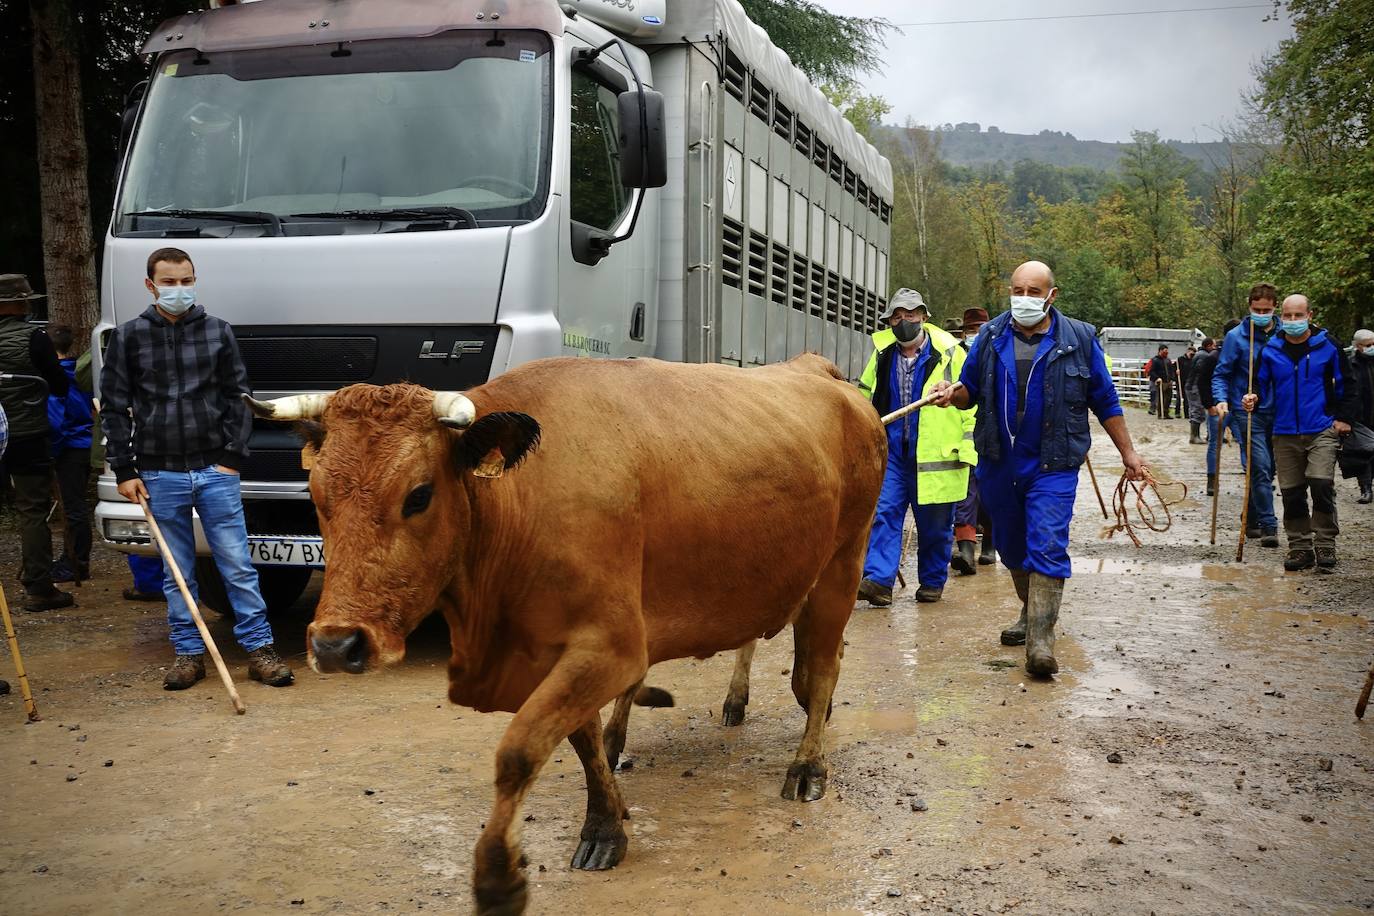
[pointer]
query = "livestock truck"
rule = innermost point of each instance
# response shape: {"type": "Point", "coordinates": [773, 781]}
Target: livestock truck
{"type": "Point", "coordinates": [439, 190]}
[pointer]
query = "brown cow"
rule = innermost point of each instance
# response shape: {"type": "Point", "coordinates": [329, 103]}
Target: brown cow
{"type": "Point", "coordinates": [669, 511]}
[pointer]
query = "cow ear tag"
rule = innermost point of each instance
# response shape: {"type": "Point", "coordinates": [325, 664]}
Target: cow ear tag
{"type": "Point", "coordinates": [308, 455]}
{"type": "Point", "coordinates": [493, 465]}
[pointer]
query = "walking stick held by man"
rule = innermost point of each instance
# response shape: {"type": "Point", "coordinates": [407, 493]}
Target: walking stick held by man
{"type": "Point", "coordinates": [1249, 422]}
{"type": "Point", "coordinates": [1363, 702]}
{"type": "Point", "coordinates": [191, 603]}
{"type": "Point", "coordinates": [1216, 489]}
{"type": "Point", "coordinates": [13, 640]}
{"type": "Point", "coordinates": [1088, 460]}
{"type": "Point", "coordinates": [917, 405]}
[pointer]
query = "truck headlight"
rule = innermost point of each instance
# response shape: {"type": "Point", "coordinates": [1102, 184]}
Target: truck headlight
{"type": "Point", "coordinates": [129, 531]}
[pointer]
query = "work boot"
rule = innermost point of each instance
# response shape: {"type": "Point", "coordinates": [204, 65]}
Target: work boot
{"type": "Point", "coordinates": [133, 594]}
{"type": "Point", "coordinates": [186, 671]}
{"type": "Point", "coordinates": [50, 600]}
{"type": "Point", "coordinates": [929, 594]}
{"type": "Point", "coordinates": [963, 561]}
{"type": "Point", "coordinates": [1302, 558]}
{"type": "Point", "coordinates": [1015, 635]}
{"type": "Point", "coordinates": [1195, 433]}
{"type": "Point", "coordinates": [1211, 484]}
{"type": "Point", "coordinates": [1366, 496]}
{"type": "Point", "coordinates": [987, 556]}
{"type": "Point", "coordinates": [876, 595]}
{"type": "Point", "coordinates": [1326, 559]}
{"type": "Point", "coordinates": [264, 664]}
{"type": "Point", "coordinates": [1269, 537]}
{"type": "Point", "coordinates": [4, 687]}
{"type": "Point", "coordinates": [1042, 611]}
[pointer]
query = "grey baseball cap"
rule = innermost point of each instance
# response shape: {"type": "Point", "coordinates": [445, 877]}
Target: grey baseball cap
{"type": "Point", "coordinates": [904, 299]}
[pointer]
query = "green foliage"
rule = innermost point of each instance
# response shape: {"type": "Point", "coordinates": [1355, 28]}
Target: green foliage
{"type": "Point", "coordinates": [829, 49]}
{"type": "Point", "coordinates": [865, 112]}
{"type": "Point", "coordinates": [1315, 228]}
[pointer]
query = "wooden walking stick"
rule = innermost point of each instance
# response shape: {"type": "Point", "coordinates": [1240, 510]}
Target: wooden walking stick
{"type": "Point", "coordinates": [13, 640]}
{"type": "Point", "coordinates": [1216, 485]}
{"type": "Point", "coordinates": [917, 405]}
{"type": "Point", "coordinates": [191, 603]}
{"type": "Point", "coordinates": [1364, 694]}
{"type": "Point", "coordinates": [1096, 489]}
{"type": "Point", "coordinates": [1249, 456]}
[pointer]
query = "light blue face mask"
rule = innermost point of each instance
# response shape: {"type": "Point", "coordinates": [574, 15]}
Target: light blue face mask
{"type": "Point", "coordinates": [1261, 321]}
{"type": "Point", "coordinates": [1295, 328]}
{"type": "Point", "coordinates": [175, 300]}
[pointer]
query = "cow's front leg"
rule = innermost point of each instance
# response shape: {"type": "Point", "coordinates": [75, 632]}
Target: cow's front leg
{"type": "Point", "coordinates": [603, 835]}
{"type": "Point", "coordinates": [584, 680]}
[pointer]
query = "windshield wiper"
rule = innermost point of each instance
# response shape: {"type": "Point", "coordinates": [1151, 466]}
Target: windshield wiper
{"type": "Point", "coordinates": [416, 214]}
{"type": "Point", "coordinates": [229, 216]}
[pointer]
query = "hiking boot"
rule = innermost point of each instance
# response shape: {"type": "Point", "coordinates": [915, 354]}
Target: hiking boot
{"type": "Point", "coordinates": [1326, 559]}
{"type": "Point", "coordinates": [963, 561]}
{"type": "Point", "coordinates": [929, 594]}
{"type": "Point", "coordinates": [49, 601]}
{"type": "Point", "coordinates": [1195, 433]}
{"type": "Point", "coordinates": [133, 594]}
{"type": "Point", "coordinates": [1301, 558]}
{"type": "Point", "coordinates": [4, 687]}
{"type": "Point", "coordinates": [987, 555]}
{"type": "Point", "coordinates": [1015, 635]}
{"type": "Point", "coordinates": [1252, 534]}
{"type": "Point", "coordinates": [1366, 496]}
{"type": "Point", "coordinates": [1042, 612]}
{"type": "Point", "coordinates": [1269, 537]}
{"type": "Point", "coordinates": [264, 664]}
{"type": "Point", "coordinates": [184, 672]}
{"type": "Point", "coordinates": [1211, 484]}
{"type": "Point", "coordinates": [876, 595]}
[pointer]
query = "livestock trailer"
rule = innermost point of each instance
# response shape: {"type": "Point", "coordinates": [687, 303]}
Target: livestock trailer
{"type": "Point", "coordinates": [439, 190]}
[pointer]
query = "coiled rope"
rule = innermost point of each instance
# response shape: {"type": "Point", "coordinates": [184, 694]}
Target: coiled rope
{"type": "Point", "coordinates": [1136, 491]}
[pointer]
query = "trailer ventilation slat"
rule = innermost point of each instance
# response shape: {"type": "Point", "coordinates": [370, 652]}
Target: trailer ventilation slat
{"type": "Point", "coordinates": [817, 291]}
{"type": "Point", "coordinates": [850, 180]}
{"type": "Point", "coordinates": [801, 139]}
{"type": "Point", "coordinates": [847, 304]}
{"type": "Point", "coordinates": [760, 99]}
{"type": "Point", "coordinates": [862, 194]}
{"type": "Point", "coordinates": [733, 76]}
{"type": "Point", "coordinates": [832, 295]}
{"type": "Point", "coordinates": [800, 271]}
{"type": "Point", "coordinates": [758, 264]}
{"type": "Point", "coordinates": [731, 252]}
{"type": "Point", "coordinates": [837, 168]}
{"type": "Point", "coordinates": [886, 213]}
{"type": "Point", "coordinates": [782, 120]}
{"type": "Point", "coordinates": [820, 154]}
{"type": "Point", "coordinates": [779, 290]}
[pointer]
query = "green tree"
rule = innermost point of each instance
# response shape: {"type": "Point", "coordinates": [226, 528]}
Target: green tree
{"type": "Point", "coordinates": [865, 112]}
{"type": "Point", "coordinates": [829, 49]}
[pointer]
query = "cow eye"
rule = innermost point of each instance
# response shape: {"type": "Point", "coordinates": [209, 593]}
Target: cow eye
{"type": "Point", "coordinates": [418, 500]}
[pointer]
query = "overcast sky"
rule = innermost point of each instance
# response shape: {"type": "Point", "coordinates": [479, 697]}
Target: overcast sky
{"type": "Point", "coordinates": [1097, 78]}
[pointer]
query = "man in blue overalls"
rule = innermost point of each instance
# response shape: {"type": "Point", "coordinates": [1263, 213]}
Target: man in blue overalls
{"type": "Point", "coordinates": [1034, 373]}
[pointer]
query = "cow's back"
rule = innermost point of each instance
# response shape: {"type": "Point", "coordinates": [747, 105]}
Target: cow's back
{"type": "Point", "coordinates": [710, 496]}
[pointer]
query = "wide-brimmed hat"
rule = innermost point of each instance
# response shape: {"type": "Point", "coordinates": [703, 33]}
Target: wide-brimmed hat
{"type": "Point", "coordinates": [953, 326]}
{"type": "Point", "coordinates": [15, 288]}
{"type": "Point", "coordinates": [904, 299]}
{"type": "Point", "coordinates": [975, 316]}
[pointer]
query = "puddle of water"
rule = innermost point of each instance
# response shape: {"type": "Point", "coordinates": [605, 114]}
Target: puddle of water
{"type": "Point", "coordinates": [1213, 572]}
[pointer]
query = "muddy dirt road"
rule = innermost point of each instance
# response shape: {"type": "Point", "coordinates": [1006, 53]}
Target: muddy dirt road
{"type": "Point", "coordinates": [1245, 783]}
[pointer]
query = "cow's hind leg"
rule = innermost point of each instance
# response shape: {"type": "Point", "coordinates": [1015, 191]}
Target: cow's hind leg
{"type": "Point", "coordinates": [732, 713]}
{"type": "Point", "coordinates": [613, 736]}
{"type": "Point", "coordinates": [603, 835]}
{"type": "Point", "coordinates": [584, 680]}
{"type": "Point", "coordinates": [819, 636]}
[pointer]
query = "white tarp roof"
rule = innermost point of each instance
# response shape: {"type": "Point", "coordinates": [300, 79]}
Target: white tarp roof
{"type": "Point", "coordinates": [697, 20]}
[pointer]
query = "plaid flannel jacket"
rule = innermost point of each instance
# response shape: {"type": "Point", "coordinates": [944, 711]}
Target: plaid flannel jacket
{"type": "Point", "coordinates": [169, 395]}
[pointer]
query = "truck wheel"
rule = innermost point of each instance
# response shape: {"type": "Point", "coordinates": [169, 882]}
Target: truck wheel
{"type": "Point", "coordinates": [281, 586]}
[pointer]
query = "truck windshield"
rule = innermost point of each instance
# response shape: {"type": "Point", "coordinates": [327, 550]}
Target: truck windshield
{"type": "Point", "coordinates": [457, 122]}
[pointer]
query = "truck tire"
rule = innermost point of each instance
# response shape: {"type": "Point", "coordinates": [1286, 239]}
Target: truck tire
{"type": "Point", "coordinates": [281, 586]}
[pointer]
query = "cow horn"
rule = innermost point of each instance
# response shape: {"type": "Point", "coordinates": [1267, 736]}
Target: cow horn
{"type": "Point", "coordinates": [295, 407]}
{"type": "Point", "coordinates": [453, 409]}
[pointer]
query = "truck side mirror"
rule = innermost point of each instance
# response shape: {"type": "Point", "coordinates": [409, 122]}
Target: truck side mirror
{"type": "Point", "coordinates": [130, 115]}
{"type": "Point", "coordinates": [643, 147]}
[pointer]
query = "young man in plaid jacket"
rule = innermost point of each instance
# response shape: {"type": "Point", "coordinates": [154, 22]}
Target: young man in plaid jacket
{"type": "Point", "coordinates": [177, 433]}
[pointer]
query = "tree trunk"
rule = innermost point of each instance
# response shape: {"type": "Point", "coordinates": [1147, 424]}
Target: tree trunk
{"type": "Point", "coordinates": [68, 248]}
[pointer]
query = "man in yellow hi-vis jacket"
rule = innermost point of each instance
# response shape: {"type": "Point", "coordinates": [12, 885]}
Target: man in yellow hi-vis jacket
{"type": "Point", "coordinates": [929, 452]}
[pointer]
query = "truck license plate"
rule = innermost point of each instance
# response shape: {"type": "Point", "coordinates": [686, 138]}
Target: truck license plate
{"type": "Point", "coordinates": [286, 551]}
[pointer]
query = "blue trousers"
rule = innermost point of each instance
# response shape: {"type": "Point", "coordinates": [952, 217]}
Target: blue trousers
{"type": "Point", "coordinates": [147, 572]}
{"type": "Point", "coordinates": [934, 530]}
{"type": "Point", "coordinates": [215, 497]}
{"type": "Point", "coordinates": [1030, 516]}
{"type": "Point", "coordinates": [1262, 472]}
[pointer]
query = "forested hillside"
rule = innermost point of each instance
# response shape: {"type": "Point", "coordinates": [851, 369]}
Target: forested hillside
{"type": "Point", "coordinates": [972, 144]}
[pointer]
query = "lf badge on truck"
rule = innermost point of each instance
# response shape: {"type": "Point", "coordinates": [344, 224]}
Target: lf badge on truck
{"type": "Point", "coordinates": [459, 348]}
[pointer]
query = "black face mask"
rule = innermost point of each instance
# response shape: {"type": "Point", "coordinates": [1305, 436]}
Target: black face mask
{"type": "Point", "coordinates": [907, 330]}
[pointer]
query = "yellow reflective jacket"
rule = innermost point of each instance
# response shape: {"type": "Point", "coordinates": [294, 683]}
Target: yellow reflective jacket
{"type": "Point", "coordinates": [944, 438]}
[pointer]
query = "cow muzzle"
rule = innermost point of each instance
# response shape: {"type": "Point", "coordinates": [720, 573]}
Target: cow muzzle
{"type": "Point", "coordinates": [339, 649]}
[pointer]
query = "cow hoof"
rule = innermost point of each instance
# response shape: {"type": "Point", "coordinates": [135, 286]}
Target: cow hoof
{"type": "Point", "coordinates": [732, 714]}
{"type": "Point", "coordinates": [805, 782]}
{"type": "Point", "coordinates": [510, 900]}
{"type": "Point", "coordinates": [600, 853]}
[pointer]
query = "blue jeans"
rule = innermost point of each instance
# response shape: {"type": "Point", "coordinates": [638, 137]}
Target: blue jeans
{"type": "Point", "coordinates": [215, 497]}
{"type": "Point", "coordinates": [1030, 516]}
{"type": "Point", "coordinates": [1262, 471]}
{"type": "Point", "coordinates": [934, 531]}
{"type": "Point", "coordinates": [1213, 444]}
